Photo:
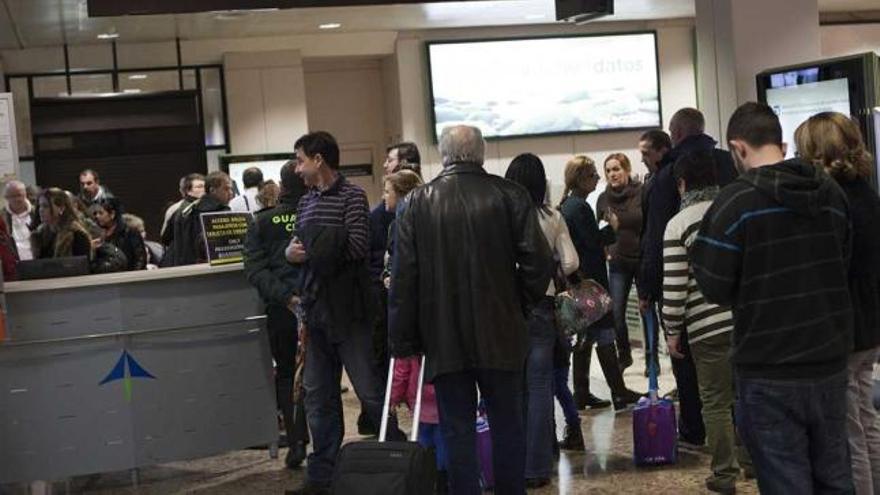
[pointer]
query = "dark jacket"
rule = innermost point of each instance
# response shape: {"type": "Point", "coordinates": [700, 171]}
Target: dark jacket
{"type": "Point", "coordinates": [264, 263]}
{"type": "Point", "coordinates": [185, 236]}
{"type": "Point", "coordinates": [380, 226]}
{"type": "Point", "coordinates": [590, 242]}
{"type": "Point", "coordinates": [469, 258]}
{"type": "Point", "coordinates": [627, 206]}
{"type": "Point", "coordinates": [661, 202]}
{"type": "Point", "coordinates": [333, 226]}
{"type": "Point", "coordinates": [864, 271]}
{"type": "Point", "coordinates": [774, 247]}
{"type": "Point", "coordinates": [131, 244]}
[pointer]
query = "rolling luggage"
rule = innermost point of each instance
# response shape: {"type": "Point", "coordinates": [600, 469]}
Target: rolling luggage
{"type": "Point", "coordinates": [655, 432]}
{"type": "Point", "coordinates": [387, 468]}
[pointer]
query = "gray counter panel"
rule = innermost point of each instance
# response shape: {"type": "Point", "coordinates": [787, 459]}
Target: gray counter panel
{"type": "Point", "coordinates": [202, 341]}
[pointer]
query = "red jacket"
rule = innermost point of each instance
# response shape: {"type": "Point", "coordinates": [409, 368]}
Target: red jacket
{"type": "Point", "coordinates": [7, 252]}
{"type": "Point", "coordinates": [405, 384]}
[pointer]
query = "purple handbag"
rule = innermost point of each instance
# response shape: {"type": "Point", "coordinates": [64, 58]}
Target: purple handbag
{"type": "Point", "coordinates": [655, 434]}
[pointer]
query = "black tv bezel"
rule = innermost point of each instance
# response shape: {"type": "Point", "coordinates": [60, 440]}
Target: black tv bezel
{"type": "Point", "coordinates": [430, 86]}
{"type": "Point", "coordinates": [861, 72]}
{"type": "Point", "coordinates": [854, 69]}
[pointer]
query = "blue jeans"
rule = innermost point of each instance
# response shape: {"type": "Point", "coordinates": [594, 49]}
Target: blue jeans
{"type": "Point", "coordinates": [323, 402]}
{"type": "Point", "coordinates": [620, 281]}
{"type": "Point", "coordinates": [795, 431]}
{"type": "Point", "coordinates": [539, 383]}
{"type": "Point", "coordinates": [563, 395]}
{"type": "Point", "coordinates": [457, 402]}
{"type": "Point", "coordinates": [431, 436]}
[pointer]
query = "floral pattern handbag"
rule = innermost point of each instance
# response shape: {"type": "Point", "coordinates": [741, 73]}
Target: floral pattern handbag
{"type": "Point", "coordinates": [580, 306]}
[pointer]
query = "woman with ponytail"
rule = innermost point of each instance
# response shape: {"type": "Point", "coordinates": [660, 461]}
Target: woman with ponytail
{"type": "Point", "coordinates": [581, 180]}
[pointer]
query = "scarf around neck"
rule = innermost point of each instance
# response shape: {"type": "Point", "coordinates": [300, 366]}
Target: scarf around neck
{"type": "Point", "coordinates": [691, 198]}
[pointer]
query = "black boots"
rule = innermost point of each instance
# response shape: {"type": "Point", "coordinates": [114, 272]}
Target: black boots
{"type": "Point", "coordinates": [622, 396]}
{"type": "Point", "coordinates": [581, 374]}
{"type": "Point", "coordinates": [298, 437]}
{"type": "Point", "coordinates": [573, 440]}
{"type": "Point", "coordinates": [624, 358]}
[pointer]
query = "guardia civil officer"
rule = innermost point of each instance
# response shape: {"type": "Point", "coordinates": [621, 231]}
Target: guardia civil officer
{"type": "Point", "coordinates": [277, 280]}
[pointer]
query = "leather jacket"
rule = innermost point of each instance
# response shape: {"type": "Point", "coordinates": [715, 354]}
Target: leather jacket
{"type": "Point", "coordinates": [470, 258]}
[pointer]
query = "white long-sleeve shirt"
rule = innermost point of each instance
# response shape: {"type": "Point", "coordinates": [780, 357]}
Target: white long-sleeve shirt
{"type": "Point", "coordinates": [556, 232]}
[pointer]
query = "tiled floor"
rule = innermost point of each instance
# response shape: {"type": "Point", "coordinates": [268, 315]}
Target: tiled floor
{"type": "Point", "coordinates": [606, 467]}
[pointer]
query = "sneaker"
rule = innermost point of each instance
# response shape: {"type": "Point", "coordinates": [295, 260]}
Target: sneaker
{"type": "Point", "coordinates": [535, 483]}
{"type": "Point", "coordinates": [719, 486]}
{"type": "Point", "coordinates": [309, 489]}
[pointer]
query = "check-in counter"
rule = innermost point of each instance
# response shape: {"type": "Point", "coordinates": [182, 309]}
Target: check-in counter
{"type": "Point", "coordinates": [113, 372]}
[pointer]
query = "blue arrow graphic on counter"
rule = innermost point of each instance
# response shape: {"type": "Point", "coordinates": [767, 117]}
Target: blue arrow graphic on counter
{"type": "Point", "coordinates": [126, 369]}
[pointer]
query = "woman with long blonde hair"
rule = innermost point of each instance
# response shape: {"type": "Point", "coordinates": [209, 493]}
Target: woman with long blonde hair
{"type": "Point", "coordinates": [833, 142]}
{"type": "Point", "coordinates": [581, 179]}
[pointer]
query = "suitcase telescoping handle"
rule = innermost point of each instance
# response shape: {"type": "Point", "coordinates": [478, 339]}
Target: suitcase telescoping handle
{"type": "Point", "coordinates": [386, 407]}
{"type": "Point", "coordinates": [651, 324]}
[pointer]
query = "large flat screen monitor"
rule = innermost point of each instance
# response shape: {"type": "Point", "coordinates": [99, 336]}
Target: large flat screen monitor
{"type": "Point", "coordinates": [843, 85]}
{"type": "Point", "coordinates": [545, 86]}
{"type": "Point", "coordinates": [799, 101]}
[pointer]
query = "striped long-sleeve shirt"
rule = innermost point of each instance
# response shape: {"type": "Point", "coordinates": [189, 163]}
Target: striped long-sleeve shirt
{"type": "Point", "coordinates": [684, 307]}
{"type": "Point", "coordinates": [341, 205]}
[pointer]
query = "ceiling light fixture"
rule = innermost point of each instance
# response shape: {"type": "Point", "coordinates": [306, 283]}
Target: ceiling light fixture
{"type": "Point", "coordinates": [108, 36]}
{"type": "Point", "coordinates": [330, 25]}
{"type": "Point", "coordinates": [137, 77]}
{"type": "Point", "coordinates": [131, 91]}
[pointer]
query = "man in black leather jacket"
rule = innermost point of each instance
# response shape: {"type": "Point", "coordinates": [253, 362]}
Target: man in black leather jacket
{"type": "Point", "coordinates": [469, 258]}
{"type": "Point", "coordinates": [277, 282]}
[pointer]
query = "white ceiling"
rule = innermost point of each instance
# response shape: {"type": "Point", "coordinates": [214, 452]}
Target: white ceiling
{"type": "Point", "coordinates": [29, 23]}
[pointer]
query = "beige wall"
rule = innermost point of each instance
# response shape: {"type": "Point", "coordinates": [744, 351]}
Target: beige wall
{"type": "Point", "coordinates": [265, 96]}
{"type": "Point", "coordinates": [838, 41]}
{"type": "Point", "coordinates": [346, 97]}
{"type": "Point", "coordinates": [677, 88]}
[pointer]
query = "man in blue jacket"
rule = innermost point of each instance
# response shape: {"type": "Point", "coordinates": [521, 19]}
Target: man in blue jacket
{"type": "Point", "coordinates": [277, 282]}
{"type": "Point", "coordinates": [662, 202]}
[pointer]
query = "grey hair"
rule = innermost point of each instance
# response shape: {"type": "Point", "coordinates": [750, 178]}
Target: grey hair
{"type": "Point", "coordinates": [14, 183]}
{"type": "Point", "coordinates": [462, 144]}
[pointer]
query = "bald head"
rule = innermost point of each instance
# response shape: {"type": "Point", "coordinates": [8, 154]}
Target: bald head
{"type": "Point", "coordinates": [685, 123]}
{"type": "Point", "coordinates": [462, 144]}
{"type": "Point", "coordinates": [15, 193]}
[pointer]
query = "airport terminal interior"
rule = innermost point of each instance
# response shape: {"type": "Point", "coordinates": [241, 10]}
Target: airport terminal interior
{"type": "Point", "coordinates": [599, 246]}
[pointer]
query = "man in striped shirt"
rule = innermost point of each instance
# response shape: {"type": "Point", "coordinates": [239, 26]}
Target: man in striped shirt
{"type": "Point", "coordinates": [332, 243]}
{"type": "Point", "coordinates": [708, 326]}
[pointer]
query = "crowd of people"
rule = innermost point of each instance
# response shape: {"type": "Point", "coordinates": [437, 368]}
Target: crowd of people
{"type": "Point", "coordinates": [764, 271]}
{"type": "Point", "coordinates": [54, 223]}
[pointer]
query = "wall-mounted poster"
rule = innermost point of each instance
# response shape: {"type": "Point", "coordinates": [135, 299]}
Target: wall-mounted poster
{"type": "Point", "coordinates": [8, 142]}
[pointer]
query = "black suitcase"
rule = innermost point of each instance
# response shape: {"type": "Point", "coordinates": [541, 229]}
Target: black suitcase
{"type": "Point", "coordinates": [387, 468]}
